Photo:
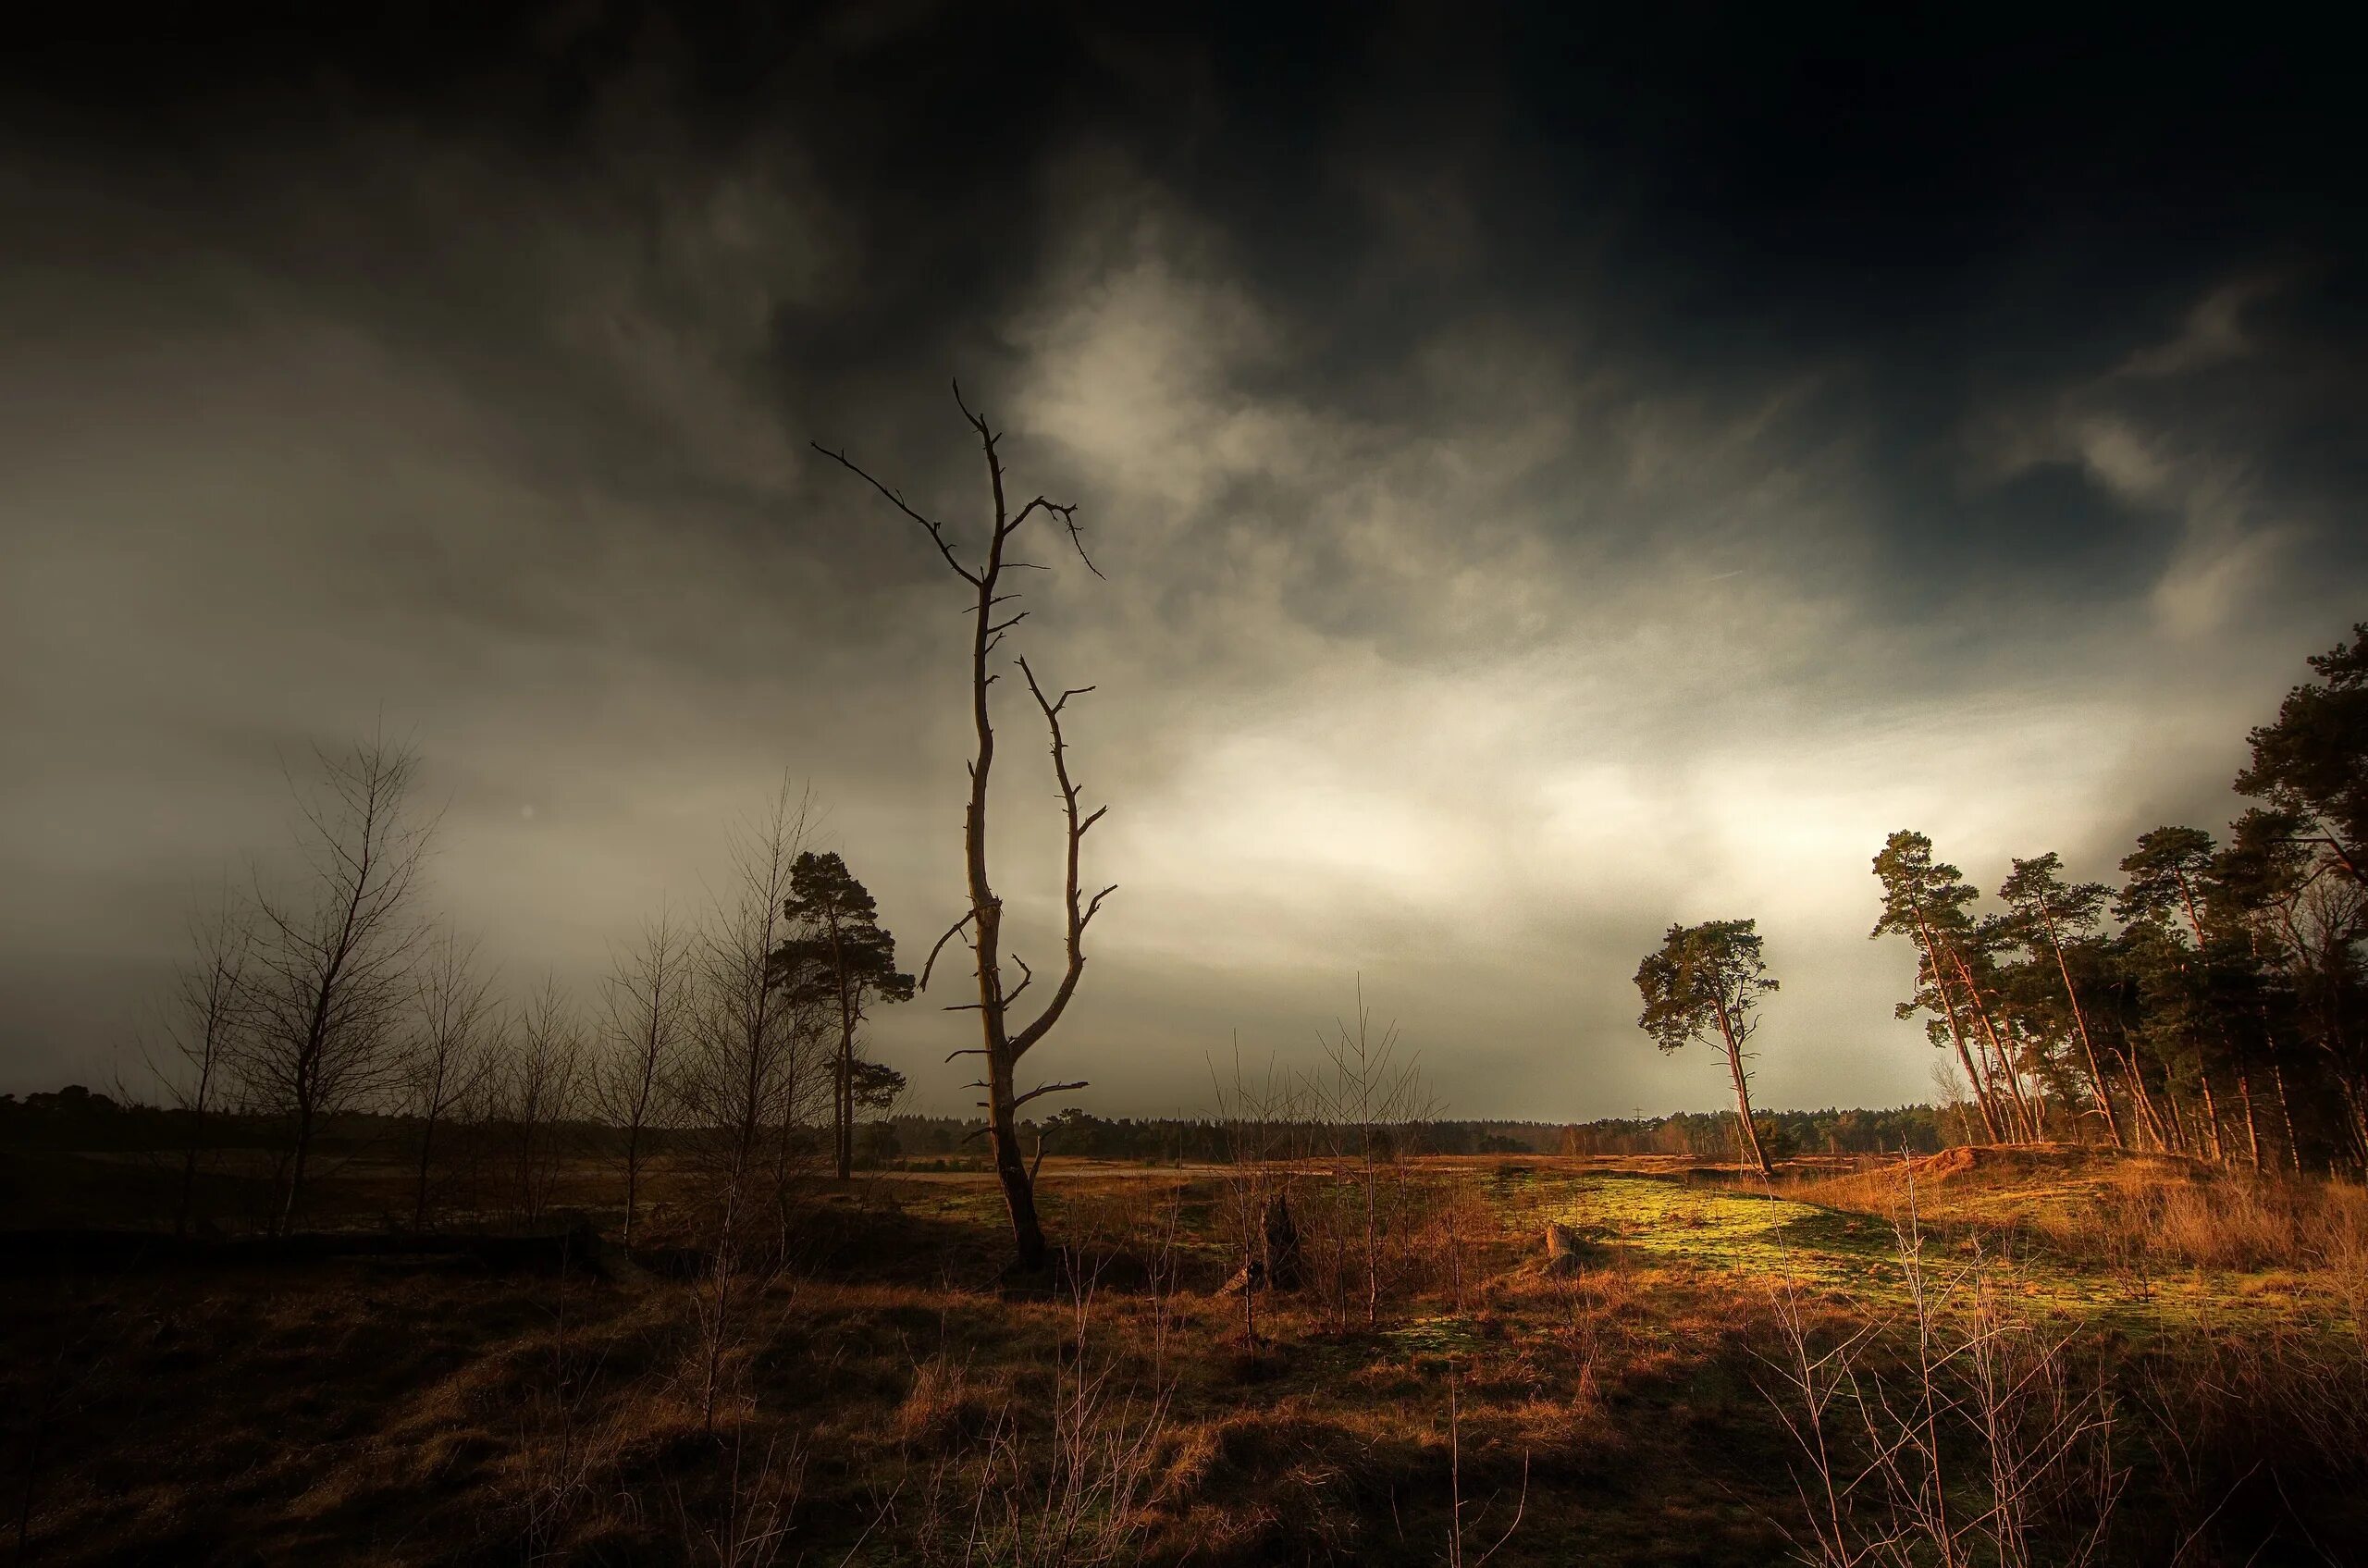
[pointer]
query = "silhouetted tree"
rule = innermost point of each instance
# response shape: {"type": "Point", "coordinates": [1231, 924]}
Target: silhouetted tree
{"type": "Point", "coordinates": [331, 969]}
{"type": "Point", "coordinates": [647, 1004]}
{"type": "Point", "coordinates": [2313, 762]}
{"type": "Point", "coordinates": [2046, 914]}
{"type": "Point", "coordinates": [1000, 1046]}
{"type": "Point", "coordinates": [838, 957]}
{"type": "Point", "coordinates": [877, 1087]}
{"type": "Point", "coordinates": [1925, 901]}
{"type": "Point", "coordinates": [1705, 984]}
{"type": "Point", "coordinates": [751, 1076]}
{"type": "Point", "coordinates": [451, 1052]}
{"type": "Point", "coordinates": [538, 1091]}
{"type": "Point", "coordinates": [208, 1012]}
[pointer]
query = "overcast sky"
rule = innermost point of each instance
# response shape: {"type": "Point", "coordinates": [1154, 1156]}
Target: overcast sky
{"type": "Point", "coordinates": [1553, 481]}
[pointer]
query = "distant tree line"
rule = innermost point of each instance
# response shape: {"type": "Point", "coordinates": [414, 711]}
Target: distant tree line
{"type": "Point", "coordinates": [323, 1012]}
{"type": "Point", "coordinates": [1711, 1134]}
{"type": "Point", "coordinates": [2211, 1001]}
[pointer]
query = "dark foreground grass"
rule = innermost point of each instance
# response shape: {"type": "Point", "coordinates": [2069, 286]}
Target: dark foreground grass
{"type": "Point", "coordinates": [891, 1398]}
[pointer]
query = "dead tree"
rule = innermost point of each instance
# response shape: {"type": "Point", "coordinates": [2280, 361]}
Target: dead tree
{"type": "Point", "coordinates": [1001, 1045]}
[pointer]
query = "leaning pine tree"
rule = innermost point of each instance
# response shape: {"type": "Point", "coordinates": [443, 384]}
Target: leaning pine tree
{"type": "Point", "coordinates": [1705, 984]}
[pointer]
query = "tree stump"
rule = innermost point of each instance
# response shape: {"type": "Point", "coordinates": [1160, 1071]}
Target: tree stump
{"type": "Point", "coordinates": [1565, 1248]}
{"type": "Point", "coordinates": [1283, 1269]}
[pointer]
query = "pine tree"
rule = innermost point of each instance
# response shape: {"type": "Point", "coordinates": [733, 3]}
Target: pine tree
{"type": "Point", "coordinates": [1705, 984]}
{"type": "Point", "coordinates": [839, 955]}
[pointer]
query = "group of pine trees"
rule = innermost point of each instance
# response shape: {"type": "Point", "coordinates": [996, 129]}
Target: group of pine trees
{"type": "Point", "coordinates": [2213, 1001]}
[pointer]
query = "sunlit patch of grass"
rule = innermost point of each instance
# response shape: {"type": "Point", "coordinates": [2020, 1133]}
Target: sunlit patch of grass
{"type": "Point", "coordinates": [1769, 1237]}
{"type": "Point", "coordinates": [1435, 1339]}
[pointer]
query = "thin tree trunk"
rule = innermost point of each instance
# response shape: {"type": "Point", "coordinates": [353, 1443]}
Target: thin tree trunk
{"type": "Point", "coordinates": [419, 1195]}
{"type": "Point", "coordinates": [2285, 1112]}
{"type": "Point", "coordinates": [296, 1169]}
{"type": "Point", "coordinates": [2253, 1125]}
{"type": "Point", "coordinates": [2080, 1023]}
{"type": "Point", "coordinates": [1957, 1031]}
{"type": "Point", "coordinates": [1742, 1096]}
{"type": "Point", "coordinates": [633, 1176]}
{"type": "Point", "coordinates": [1981, 1017]}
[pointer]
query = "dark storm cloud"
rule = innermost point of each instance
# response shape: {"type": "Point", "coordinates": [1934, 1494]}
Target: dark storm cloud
{"type": "Point", "coordinates": [1557, 476]}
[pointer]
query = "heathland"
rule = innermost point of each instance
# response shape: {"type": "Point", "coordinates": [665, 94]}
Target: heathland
{"type": "Point", "coordinates": [1983, 1355]}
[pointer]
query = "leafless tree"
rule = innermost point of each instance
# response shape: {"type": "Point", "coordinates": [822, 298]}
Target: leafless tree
{"type": "Point", "coordinates": [451, 1053]}
{"type": "Point", "coordinates": [332, 961]}
{"type": "Point", "coordinates": [539, 1089]}
{"type": "Point", "coordinates": [753, 1071]}
{"type": "Point", "coordinates": [1001, 1045]}
{"type": "Point", "coordinates": [754, 1074]}
{"type": "Point", "coordinates": [1369, 1098]}
{"type": "Point", "coordinates": [1259, 1121]}
{"type": "Point", "coordinates": [648, 1006]}
{"type": "Point", "coordinates": [205, 1016]}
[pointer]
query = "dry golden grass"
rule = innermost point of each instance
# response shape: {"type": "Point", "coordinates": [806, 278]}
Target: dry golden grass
{"type": "Point", "coordinates": [892, 1397]}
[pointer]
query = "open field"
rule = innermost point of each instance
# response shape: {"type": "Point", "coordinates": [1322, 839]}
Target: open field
{"type": "Point", "coordinates": [890, 1396]}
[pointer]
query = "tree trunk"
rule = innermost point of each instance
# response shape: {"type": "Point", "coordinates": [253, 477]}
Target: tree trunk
{"type": "Point", "coordinates": [419, 1195]}
{"type": "Point", "coordinates": [2080, 1023]}
{"type": "Point", "coordinates": [1018, 1192]}
{"type": "Point", "coordinates": [1957, 1031]}
{"type": "Point", "coordinates": [296, 1170]}
{"type": "Point", "coordinates": [2285, 1113]}
{"type": "Point", "coordinates": [2252, 1124]}
{"type": "Point", "coordinates": [1981, 1017]}
{"type": "Point", "coordinates": [2150, 1118]}
{"type": "Point", "coordinates": [1743, 1096]}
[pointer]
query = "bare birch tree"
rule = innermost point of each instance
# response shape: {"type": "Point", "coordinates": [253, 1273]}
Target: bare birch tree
{"type": "Point", "coordinates": [205, 1016]}
{"type": "Point", "coordinates": [540, 1085]}
{"type": "Point", "coordinates": [752, 1069]}
{"type": "Point", "coordinates": [1001, 1045]}
{"type": "Point", "coordinates": [647, 1007]}
{"type": "Point", "coordinates": [451, 1052]}
{"type": "Point", "coordinates": [334, 951]}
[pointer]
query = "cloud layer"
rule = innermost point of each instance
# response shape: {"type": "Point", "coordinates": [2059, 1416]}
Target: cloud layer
{"type": "Point", "coordinates": [1545, 495]}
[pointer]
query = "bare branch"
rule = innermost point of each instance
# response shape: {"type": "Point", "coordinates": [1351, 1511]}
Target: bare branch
{"type": "Point", "coordinates": [936, 533]}
{"type": "Point", "coordinates": [1019, 1100]}
{"type": "Point", "coordinates": [942, 942]}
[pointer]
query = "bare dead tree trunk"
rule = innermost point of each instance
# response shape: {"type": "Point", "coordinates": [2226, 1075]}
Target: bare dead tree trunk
{"type": "Point", "coordinates": [1000, 1046]}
